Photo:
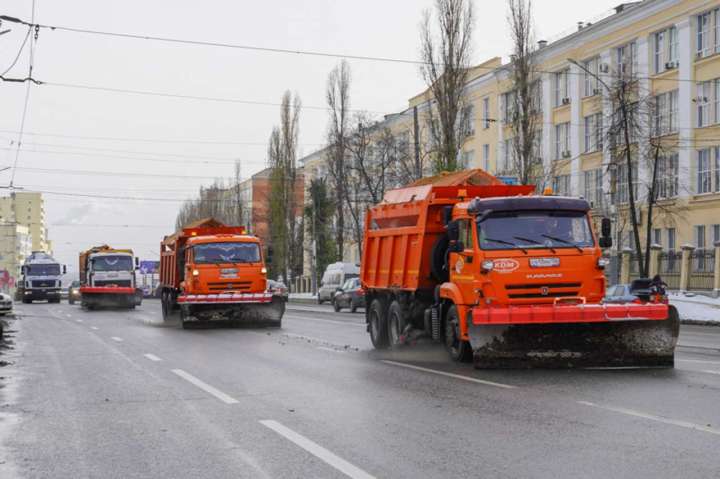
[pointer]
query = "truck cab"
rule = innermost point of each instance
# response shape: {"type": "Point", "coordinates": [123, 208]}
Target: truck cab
{"type": "Point", "coordinates": [114, 268]}
{"type": "Point", "coordinates": [524, 251]}
{"type": "Point", "coordinates": [223, 263]}
{"type": "Point", "coordinates": [41, 278]}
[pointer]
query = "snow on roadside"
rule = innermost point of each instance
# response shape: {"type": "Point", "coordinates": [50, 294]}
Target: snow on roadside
{"type": "Point", "coordinates": [303, 296]}
{"type": "Point", "coordinates": [697, 308]}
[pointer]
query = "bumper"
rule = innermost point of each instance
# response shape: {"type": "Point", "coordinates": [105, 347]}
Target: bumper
{"type": "Point", "coordinates": [106, 290]}
{"type": "Point", "coordinates": [252, 298]}
{"type": "Point", "coordinates": [41, 293]}
{"type": "Point", "coordinates": [569, 313]}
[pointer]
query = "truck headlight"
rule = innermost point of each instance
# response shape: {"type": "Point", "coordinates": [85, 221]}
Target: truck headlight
{"type": "Point", "coordinates": [487, 265]}
{"type": "Point", "coordinates": [603, 262]}
{"type": "Point", "coordinates": [263, 270]}
{"type": "Point", "coordinates": [196, 272]}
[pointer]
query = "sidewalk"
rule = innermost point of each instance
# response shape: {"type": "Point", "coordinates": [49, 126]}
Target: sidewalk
{"type": "Point", "coordinates": [697, 309]}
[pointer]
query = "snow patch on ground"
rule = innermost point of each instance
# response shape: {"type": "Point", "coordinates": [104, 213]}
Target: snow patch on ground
{"type": "Point", "coordinates": [303, 296]}
{"type": "Point", "coordinates": [696, 308]}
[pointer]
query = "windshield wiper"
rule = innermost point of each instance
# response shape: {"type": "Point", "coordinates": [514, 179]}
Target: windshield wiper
{"type": "Point", "coordinates": [505, 242]}
{"type": "Point", "coordinates": [529, 240]}
{"type": "Point", "coordinates": [560, 240]}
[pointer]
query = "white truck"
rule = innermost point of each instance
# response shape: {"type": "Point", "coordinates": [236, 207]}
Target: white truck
{"type": "Point", "coordinates": [107, 278]}
{"type": "Point", "coordinates": [41, 278]}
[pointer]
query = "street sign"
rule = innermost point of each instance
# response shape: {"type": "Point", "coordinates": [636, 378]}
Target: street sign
{"type": "Point", "coordinates": [149, 267]}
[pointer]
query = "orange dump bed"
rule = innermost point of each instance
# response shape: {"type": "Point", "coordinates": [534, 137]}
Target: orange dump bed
{"type": "Point", "coordinates": [400, 232]}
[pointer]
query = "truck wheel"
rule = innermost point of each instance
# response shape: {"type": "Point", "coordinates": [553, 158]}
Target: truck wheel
{"type": "Point", "coordinates": [458, 349]}
{"type": "Point", "coordinates": [396, 324]}
{"type": "Point", "coordinates": [164, 303]}
{"type": "Point", "coordinates": [377, 321]}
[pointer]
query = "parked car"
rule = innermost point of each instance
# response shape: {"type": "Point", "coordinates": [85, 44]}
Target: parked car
{"type": "Point", "coordinates": [619, 293]}
{"type": "Point", "coordinates": [6, 304]}
{"type": "Point", "coordinates": [74, 292]}
{"type": "Point", "coordinates": [277, 288]}
{"type": "Point", "coordinates": [350, 295]}
{"type": "Point", "coordinates": [334, 277]}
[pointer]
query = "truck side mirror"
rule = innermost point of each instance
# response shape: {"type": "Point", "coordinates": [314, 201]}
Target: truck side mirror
{"type": "Point", "coordinates": [64, 269]}
{"type": "Point", "coordinates": [605, 240]}
{"type": "Point", "coordinates": [606, 227]}
{"type": "Point", "coordinates": [457, 246]}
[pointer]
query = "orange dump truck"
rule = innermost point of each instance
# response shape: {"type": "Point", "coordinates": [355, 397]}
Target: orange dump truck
{"type": "Point", "coordinates": [212, 271]}
{"type": "Point", "coordinates": [107, 277]}
{"type": "Point", "coordinates": [506, 277]}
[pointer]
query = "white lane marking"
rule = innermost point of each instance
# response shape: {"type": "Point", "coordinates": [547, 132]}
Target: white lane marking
{"type": "Point", "coordinates": [708, 371]}
{"type": "Point", "coordinates": [205, 387]}
{"type": "Point", "coordinates": [69, 315]}
{"type": "Point", "coordinates": [94, 327]}
{"type": "Point", "coordinates": [450, 375]}
{"type": "Point", "coordinates": [152, 357]}
{"type": "Point", "coordinates": [79, 320]}
{"type": "Point", "coordinates": [317, 450]}
{"type": "Point", "coordinates": [330, 349]}
{"type": "Point", "coordinates": [652, 417]}
{"type": "Point", "coordinates": [115, 338]}
{"type": "Point", "coordinates": [699, 361]}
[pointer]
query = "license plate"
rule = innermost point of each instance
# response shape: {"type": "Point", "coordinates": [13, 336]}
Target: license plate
{"type": "Point", "coordinates": [228, 273]}
{"type": "Point", "coordinates": [544, 262]}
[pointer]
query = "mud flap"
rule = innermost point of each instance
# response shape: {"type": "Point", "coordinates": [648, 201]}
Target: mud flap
{"type": "Point", "coordinates": [609, 344]}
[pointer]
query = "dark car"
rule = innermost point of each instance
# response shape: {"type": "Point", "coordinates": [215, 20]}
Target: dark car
{"type": "Point", "coordinates": [619, 293]}
{"type": "Point", "coordinates": [277, 288]}
{"type": "Point", "coordinates": [350, 295]}
{"type": "Point", "coordinates": [74, 292]}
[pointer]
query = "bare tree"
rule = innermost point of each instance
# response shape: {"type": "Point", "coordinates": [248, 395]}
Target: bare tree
{"type": "Point", "coordinates": [525, 109]}
{"type": "Point", "coordinates": [634, 136]}
{"type": "Point", "coordinates": [338, 100]}
{"type": "Point", "coordinates": [446, 61]}
{"type": "Point", "coordinates": [282, 158]}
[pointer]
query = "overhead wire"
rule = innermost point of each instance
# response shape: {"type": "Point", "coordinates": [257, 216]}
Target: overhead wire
{"type": "Point", "coordinates": [19, 53]}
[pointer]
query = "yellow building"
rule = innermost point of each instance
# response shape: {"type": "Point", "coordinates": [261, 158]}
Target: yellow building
{"type": "Point", "coordinates": [15, 246]}
{"type": "Point", "coordinates": [27, 209]}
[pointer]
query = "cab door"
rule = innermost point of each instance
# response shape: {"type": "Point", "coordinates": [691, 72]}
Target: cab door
{"type": "Point", "coordinates": [463, 264]}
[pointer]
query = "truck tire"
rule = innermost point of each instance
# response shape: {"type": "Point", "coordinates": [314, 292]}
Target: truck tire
{"type": "Point", "coordinates": [396, 324]}
{"type": "Point", "coordinates": [377, 324]}
{"type": "Point", "coordinates": [165, 304]}
{"type": "Point", "coordinates": [459, 350]}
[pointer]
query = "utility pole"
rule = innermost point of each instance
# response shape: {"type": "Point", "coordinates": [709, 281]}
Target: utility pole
{"type": "Point", "coordinates": [416, 134]}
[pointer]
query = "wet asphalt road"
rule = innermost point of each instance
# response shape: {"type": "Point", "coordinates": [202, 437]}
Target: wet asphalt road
{"type": "Point", "coordinates": [118, 394]}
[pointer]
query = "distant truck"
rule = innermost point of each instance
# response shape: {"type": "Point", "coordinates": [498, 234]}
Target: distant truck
{"type": "Point", "coordinates": [107, 278]}
{"type": "Point", "coordinates": [210, 271]}
{"type": "Point", "coordinates": [41, 278]}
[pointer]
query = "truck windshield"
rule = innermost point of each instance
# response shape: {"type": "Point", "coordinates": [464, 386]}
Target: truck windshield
{"type": "Point", "coordinates": [213, 253]}
{"type": "Point", "coordinates": [113, 263]}
{"type": "Point", "coordinates": [535, 229]}
{"type": "Point", "coordinates": [43, 270]}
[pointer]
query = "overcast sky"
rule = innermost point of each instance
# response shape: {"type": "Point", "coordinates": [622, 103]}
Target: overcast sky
{"type": "Point", "coordinates": [387, 28]}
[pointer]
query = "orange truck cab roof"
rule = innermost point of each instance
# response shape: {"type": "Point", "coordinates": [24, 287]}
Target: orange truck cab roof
{"type": "Point", "coordinates": [222, 238]}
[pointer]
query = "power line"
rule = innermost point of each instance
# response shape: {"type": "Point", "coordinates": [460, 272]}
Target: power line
{"type": "Point", "coordinates": [17, 57]}
{"type": "Point", "coordinates": [288, 51]}
{"type": "Point", "coordinates": [153, 140]}
{"type": "Point", "coordinates": [60, 171]}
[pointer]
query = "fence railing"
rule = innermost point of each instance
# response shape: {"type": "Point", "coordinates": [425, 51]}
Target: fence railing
{"type": "Point", "coordinates": [702, 272]}
{"type": "Point", "coordinates": [669, 263]}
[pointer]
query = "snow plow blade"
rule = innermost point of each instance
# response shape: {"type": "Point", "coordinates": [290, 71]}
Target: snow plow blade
{"type": "Point", "coordinates": [577, 336]}
{"type": "Point", "coordinates": [246, 308]}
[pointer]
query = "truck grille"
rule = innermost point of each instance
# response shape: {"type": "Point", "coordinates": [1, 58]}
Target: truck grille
{"type": "Point", "coordinates": [122, 283]}
{"type": "Point", "coordinates": [549, 290]}
{"type": "Point", "coordinates": [230, 286]}
{"type": "Point", "coordinates": [44, 283]}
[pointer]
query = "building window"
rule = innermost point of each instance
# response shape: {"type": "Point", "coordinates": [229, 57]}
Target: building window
{"type": "Point", "coordinates": [562, 141]}
{"type": "Point", "coordinates": [486, 113]}
{"type": "Point", "coordinates": [561, 185]}
{"type": "Point", "coordinates": [626, 59]}
{"type": "Point", "coordinates": [700, 245]}
{"type": "Point", "coordinates": [671, 239]}
{"type": "Point", "coordinates": [716, 234]}
{"type": "Point", "coordinates": [486, 157]}
{"type": "Point", "coordinates": [468, 119]}
{"type": "Point", "coordinates": [705, 92]}
{"type": "Point", "coordinates": [508, 155]}
{"type": "Point", "coordinates": [591, 77]}
{"type": "Point", "coordinates": [508, 100]}
{"type": "Point", "coordinates": [659, 52]}
{"type": "Point", "coordinates": [708, 170]}
{"type": "Point", "coordinates": [657, 236]}
{"type": "Point", "coordinates": [665, 50]}
{"type": "Point", "coordinates": [593, 133]}
{"type": "Point", "coordinates": [620, 182]}
{"type": "Point", "coordinates": [665, 113]}
{"type": "Point", "coordinates": [708, 33]}
{"type": "Point", "coordinates": [561, 87]}
{"type": "Point", "coordinates": [667, 177]}
{"type": "Point", "coordinates": [592, 185]}
{"type": "Point", "coordinates": [467, 158]}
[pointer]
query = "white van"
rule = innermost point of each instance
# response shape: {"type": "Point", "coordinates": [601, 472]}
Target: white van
{"type": "Point", "coordinates": [334, 277]}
